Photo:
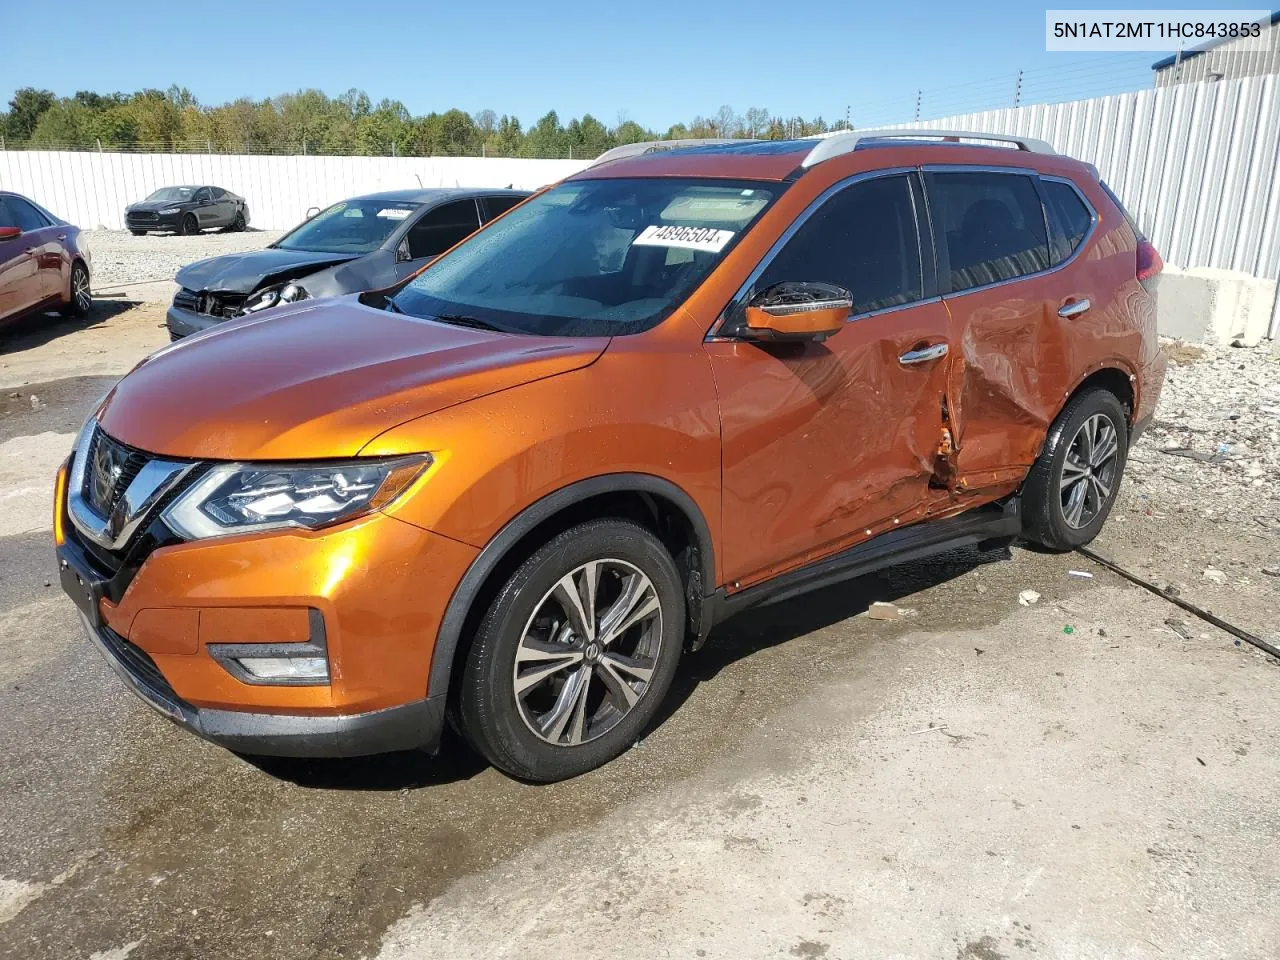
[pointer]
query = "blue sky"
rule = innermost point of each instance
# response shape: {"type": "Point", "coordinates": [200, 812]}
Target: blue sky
{"type": "Point", "coordinates": [656, 61]}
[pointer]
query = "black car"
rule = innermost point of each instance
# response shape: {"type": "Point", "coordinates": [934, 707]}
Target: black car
{"type": "Point", "coordinates": [187, 210]}
{"type": "Point", "coordinates": [365, 243]}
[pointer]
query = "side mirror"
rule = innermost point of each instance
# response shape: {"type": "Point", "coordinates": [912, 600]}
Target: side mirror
{"type": "Point", "coordinates": [796, 311]}
{"type": "Point", "coordinates": [402, 251]}
{"type": "Point", "coordinates": [8, 233]}
{"type": "Point", "coordinates": [312, 211]}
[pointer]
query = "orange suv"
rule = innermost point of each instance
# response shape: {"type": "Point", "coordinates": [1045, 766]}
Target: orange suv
{"type": "Point", "coordinates": [511, 491]}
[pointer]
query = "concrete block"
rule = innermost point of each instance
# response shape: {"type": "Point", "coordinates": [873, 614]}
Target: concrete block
{"type": "Point", "coordinates": [1220, 306]}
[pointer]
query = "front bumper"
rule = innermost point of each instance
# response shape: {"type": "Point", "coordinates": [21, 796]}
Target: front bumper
{"type": "Point", "coordinates": [166, 620]}
{"type": "Point", "coordinates": [415, 725]}
{"type": "Point", "coordinates": [165, 223]}
{"type": "Point", "coordinates": [183, 323]}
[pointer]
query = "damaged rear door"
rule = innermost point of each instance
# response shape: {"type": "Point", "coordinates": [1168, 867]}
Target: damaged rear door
{"type": "Point", "coordinates": [826, 443]}
{"type": "Point", "coordinates": [1009, 372]}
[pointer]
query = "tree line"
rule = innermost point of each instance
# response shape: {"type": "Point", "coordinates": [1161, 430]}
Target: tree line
{"type": "Point", "coordinates": [311, 122]}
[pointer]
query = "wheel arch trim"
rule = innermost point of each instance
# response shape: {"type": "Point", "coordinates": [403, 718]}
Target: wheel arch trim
{"type": "Point", "coordinates": [1113, 364]}
{"type": "Point", "coordinates": [449, 632]}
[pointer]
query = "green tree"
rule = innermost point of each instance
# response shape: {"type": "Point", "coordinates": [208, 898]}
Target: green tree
{"type": "Point", "coordinates": [628, 131]}
{"type": "Point", "coordinates": [546, 139]}
{"type": "Point", "coordinates": [24, 112]}
{"type": "Point", "coordinates": [588, 137]}
{"type": "Point", "coordinates": [158, 120]}
{"type": "Point", "coordinates": [507, 138]}
{"type": "Point", "coordinates": [64, 126]}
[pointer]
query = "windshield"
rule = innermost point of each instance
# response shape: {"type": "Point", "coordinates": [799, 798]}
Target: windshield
{"type": "Point", "coordinates": [173, 194]}
{"type": "Point", "coordinates": [353, 226]}
{"type": "Point", "coordinates": [590, 257]}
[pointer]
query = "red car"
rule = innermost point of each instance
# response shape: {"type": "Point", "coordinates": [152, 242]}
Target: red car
{"type": "Point", "coordinates": [44, 262]}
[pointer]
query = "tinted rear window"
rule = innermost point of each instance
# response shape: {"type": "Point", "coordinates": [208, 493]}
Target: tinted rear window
{"type": "Point", "coordinates": [440, 229]}
{"type": "Point", "coordinates": [1069, 217]}
{"type": "Point", "coordinates": [497, 206]}
{"type": "Point", "coordinates": [991, 226]}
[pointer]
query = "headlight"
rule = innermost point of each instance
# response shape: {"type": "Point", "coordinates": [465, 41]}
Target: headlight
{"type": "Point", "coordinates": [261, 301]}
{"type": "Point", "coordinates": [169, 211]}
{"type": "Point", "coordinates": [244, 497]}
{"type": "Point", "coordinates": [273, 296]}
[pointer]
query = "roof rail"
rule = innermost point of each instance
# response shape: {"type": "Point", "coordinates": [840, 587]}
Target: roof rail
{"type": "Point", "coordinates": [656, 146]}
{"type": "Point", "coordinates": [839, 144]}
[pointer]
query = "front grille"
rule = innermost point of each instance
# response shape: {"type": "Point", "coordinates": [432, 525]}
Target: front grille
{"type": "Point", "coordinates": [222, 305]}
{"type": "Point", "coordinates": [142, 216]}
{"type": "Point", "coordinates": [111, 467]}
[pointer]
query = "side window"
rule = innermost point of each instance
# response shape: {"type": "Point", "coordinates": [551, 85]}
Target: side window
{"type": "Point", "coordinates": [497, 206]}
{"type": "Point", "coordinates": [1069, 218]}
{"type": "Point", "coordinates": [25, 215]}
{"type": "Point", "coordinates": [202, 194]}
{"type": "Point", "coordinates": [440, 229]}
{"type": "Point", "coordinates": [218, 193]}
{"type": "Point", "coordinates": [863, 239]}
{"type": "Point", "coordinates": [6, 218]}
{"type": "Point", "coordinates": [990, 224]}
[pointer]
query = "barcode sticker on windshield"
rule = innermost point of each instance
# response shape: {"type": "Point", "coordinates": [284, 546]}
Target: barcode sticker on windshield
{"type": "Point", "coordinates": [692, 238]}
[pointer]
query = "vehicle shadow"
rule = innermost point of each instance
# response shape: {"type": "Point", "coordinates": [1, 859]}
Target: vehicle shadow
{"type": "Point", "coordinates": [742, 636]}
{"type": "Point", "coordinates": [39, 328]}
{"type": "Point", "coordinates": [761, 628]}
{"type": "Point", "coordinates": [405, 770]}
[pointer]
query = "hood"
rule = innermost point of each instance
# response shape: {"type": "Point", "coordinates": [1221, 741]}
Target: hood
{"type": "Point", "coordinates": [318, 381]}
{"type": "Point", "coordinates": [245, 272]}
{"type": "Point", "coordinates": [154, 205]}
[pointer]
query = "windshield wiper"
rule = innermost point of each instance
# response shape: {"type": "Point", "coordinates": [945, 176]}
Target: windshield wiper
{"type": "Point", "coordinates": [391, 305]}
{"type": "Point", "coordinates": [463, 321]}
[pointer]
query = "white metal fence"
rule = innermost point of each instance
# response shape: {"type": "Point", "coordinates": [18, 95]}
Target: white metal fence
{"type": "Point", "coordinates": [1198, 165]}
{"type": "Point", "coordinates": [92, 189]}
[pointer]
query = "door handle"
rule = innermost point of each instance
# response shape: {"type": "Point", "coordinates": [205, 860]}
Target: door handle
{"type": "Point", "coordinates": [923, 354]}
{"type": "Point", "coordinates": [1074, 308]}
{"type": "Point", "coordinates": [62, 236]}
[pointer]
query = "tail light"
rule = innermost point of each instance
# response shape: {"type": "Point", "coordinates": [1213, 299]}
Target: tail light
{"type": "Point", "coordinates": [1149, 264]}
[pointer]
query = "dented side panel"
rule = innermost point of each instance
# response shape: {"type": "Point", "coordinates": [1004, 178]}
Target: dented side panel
{"type": "Point", "coordinates": [827, 443]}
{"type": "Point", "coordinates": [1018, 361]}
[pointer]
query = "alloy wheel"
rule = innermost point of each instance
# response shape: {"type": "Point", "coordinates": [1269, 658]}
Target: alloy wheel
{"type": "Point", "coordinates": [588, 652]}
{"type": "Point", "coordinates": [1089, 471]}
{"type": "Point", "coordinates": [80, 293]}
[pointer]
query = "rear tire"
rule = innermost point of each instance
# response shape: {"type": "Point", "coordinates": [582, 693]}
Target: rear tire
{"type": "Point", "coordinates": [236, 225]}
{"type": "Point", "coordinates": [588, 690]}
{"type": "Point", "coordinates": [189, 225]}
{"type": "Point", "coordinates": [1074, 482]}
{"type": "Point", "coordinates": [80, 297]}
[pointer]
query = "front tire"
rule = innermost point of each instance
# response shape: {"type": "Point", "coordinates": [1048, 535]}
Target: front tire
{"type": "Point", "coordinates": [1074, 482]}
{"type": "Point", "coordinates": [189, 225]}
{"type": "Point", "coordinates": [575, 654]}
{"type": "Point", "coordinates": [138, 233]}
{"type": "Point", "coordinates": [80, 296]}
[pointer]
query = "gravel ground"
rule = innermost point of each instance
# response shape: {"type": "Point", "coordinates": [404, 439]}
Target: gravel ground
{"type": "Point", "coordinates": [1213, 450]}
{"type": "Point", "coordinates": [120, 258]}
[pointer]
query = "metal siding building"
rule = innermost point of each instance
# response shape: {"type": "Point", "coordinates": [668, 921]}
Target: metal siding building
{"type": "Point", "coordinates": [1222, 60]}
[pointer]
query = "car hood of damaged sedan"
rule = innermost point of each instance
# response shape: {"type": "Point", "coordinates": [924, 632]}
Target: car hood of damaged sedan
{"type": "Point", "coordinates": [319, 380]}
{"type": "Point", "coordinates": [245, 272]}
